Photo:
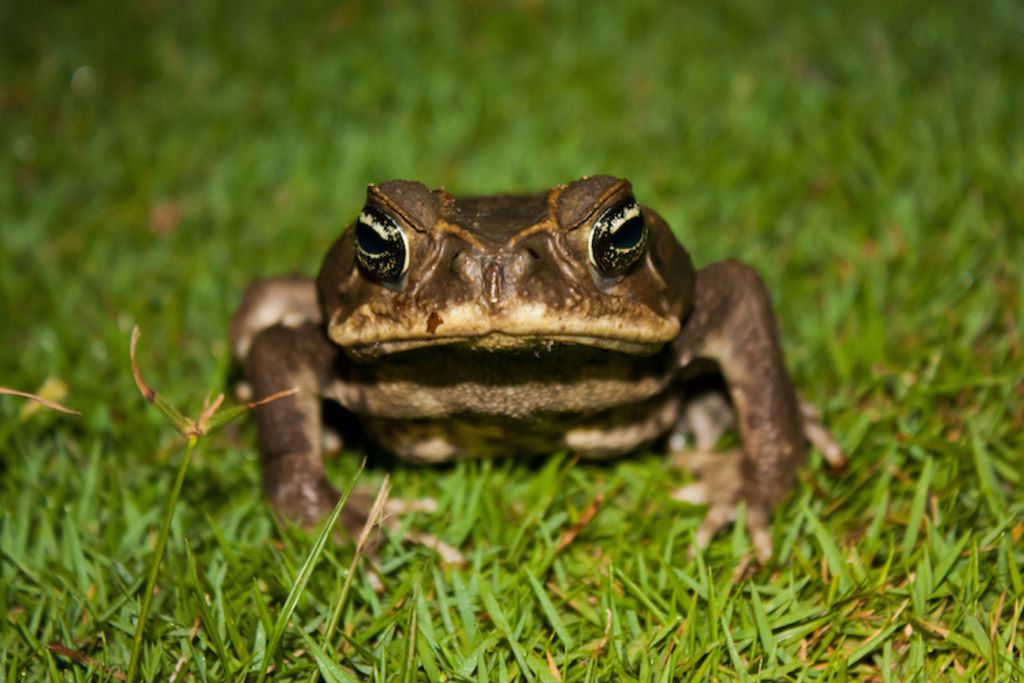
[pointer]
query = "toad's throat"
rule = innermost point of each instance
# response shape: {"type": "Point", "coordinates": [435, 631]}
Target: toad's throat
{"type": "Point", "coordinates": [370, 331]}
{"type": "Point", "coordinates": [437, 382]}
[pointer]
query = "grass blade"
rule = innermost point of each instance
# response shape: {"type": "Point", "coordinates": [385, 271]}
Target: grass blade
{"type": "Point", "coordinates": [331, 671]}
{"type": "Point", "coordinates": [917, 510]}
{"type": "Point", "coordinates": [550, 612]}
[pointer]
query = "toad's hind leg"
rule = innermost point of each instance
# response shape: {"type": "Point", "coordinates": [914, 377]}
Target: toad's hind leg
{"type": "Point", "coordinates": [288, 301]}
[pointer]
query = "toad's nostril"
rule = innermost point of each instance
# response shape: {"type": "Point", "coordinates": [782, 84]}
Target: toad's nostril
{"type": "Point", "coordinates": [522, 263]}
{"type": "Point", "coordinates": [462, 266]}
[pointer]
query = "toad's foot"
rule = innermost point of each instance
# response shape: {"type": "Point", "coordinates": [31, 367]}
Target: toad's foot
{"type": "Point", "coordinates": [720, 487]}
{"type": "Point", "coordinates": [720, 482]}
{"type": "Point", "coordinates": [309, 502]}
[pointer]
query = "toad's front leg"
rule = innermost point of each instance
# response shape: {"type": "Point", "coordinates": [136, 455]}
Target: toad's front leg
{"type": "Point", "coordinates": [290, 430]}
{"type": "Point", "coordinates": [733, 325]}
{"type": "Point", "coordinates": [278, 337]}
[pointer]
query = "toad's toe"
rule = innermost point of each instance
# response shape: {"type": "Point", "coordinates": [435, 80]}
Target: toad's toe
{"type": "Point", "coordinates": [407, 507]}
{"type": "Point", "coordinates": [722, 514]}
{"type": "Point", "coordinates": [719, 515]}
{"type": "Point", "coordinates": [761, 537]}
{"type": "Point", "coordinates": [820, 436]}
{"type": "Point", "coordinates": [694, 494]}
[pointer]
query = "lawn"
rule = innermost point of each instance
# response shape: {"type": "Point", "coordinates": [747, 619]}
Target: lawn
{"type": "Point", "coordinates": [868, 159]}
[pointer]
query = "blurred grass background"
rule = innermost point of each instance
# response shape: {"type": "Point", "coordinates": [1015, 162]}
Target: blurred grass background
{"type": "Point", "coordinates": [867, 158]}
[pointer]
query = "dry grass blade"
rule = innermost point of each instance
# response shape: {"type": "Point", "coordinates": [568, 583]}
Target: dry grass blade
{"type": "Point", "coordinates": [52, 405]}
{"type": "Point", "coordinates": [82, 658]}
{"type": "Point", "coordinates": [147, 392]}
{"type": "Point", "coordinates": [448, 553]}
{"type": "Point", "coordinates": [552, 666]}
{"type": "Point", "coordinates": [604, 638]}
{"type": "Point", "coordinates": [585, 518]}
{"type": "Point", "coordinates": [179, 665]}
{"type": "Point", "coordinates": [376, 512]}
{"type": "Point", "coordinates": [273, 397]}
{"type": "Point", "coordinates": [210, 409]}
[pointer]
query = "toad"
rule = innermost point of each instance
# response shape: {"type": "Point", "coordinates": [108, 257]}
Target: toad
{"type": "Point", "coordinates": [514, 325]}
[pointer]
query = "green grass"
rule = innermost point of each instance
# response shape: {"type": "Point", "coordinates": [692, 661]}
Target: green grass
{"type": "Point", "coordinates": [868, 160]}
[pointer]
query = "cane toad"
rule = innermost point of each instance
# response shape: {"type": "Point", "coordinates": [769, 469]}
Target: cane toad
{"type": "Point", "coordinates": [515, 325]}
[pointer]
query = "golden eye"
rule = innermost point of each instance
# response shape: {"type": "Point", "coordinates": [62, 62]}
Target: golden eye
{"type": "Point", "coordinates": [618, 238]}
{"type": "Point", "coordinates": [381, 245]}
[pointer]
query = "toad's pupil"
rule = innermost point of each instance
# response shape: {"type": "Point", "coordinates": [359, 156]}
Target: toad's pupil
{"type": "Point", "coordinates": [370, 241]}
{"type": "Point", "coordinates": [629, 234]}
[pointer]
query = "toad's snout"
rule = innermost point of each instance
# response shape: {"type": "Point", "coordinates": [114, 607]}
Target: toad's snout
{"type": "Point", "coordinates": [496, 277]}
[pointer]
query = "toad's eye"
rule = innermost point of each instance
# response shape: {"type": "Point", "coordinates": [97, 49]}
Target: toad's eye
{"type": "Point", "coordinates": [618, 238]}
{"type": "Point", "coordinates": [381, 245]}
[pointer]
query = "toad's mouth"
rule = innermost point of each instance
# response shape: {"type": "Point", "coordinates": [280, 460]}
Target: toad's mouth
{"type": "Point", "coordinates": [369, 332]}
